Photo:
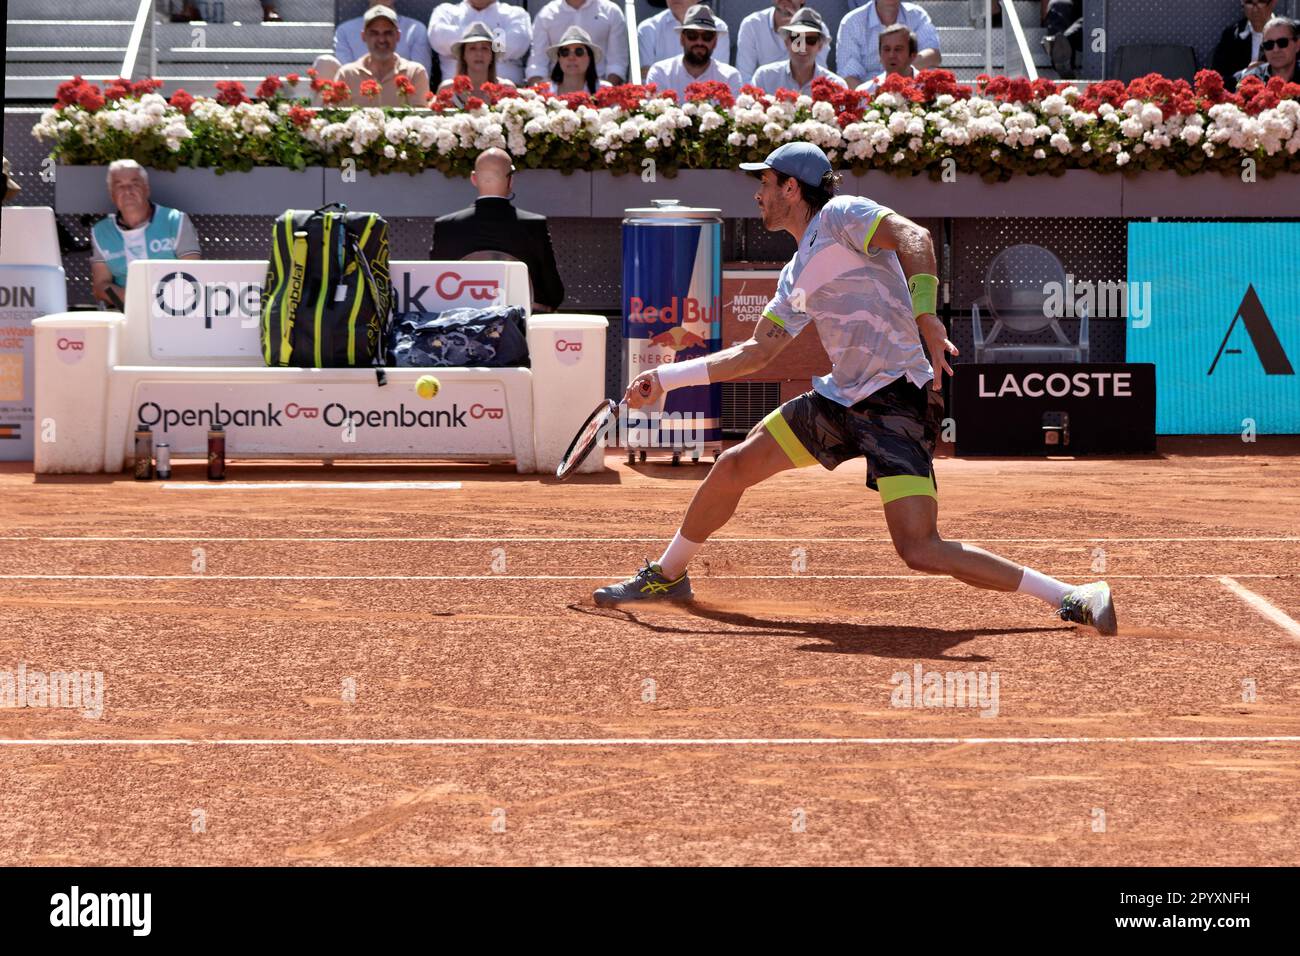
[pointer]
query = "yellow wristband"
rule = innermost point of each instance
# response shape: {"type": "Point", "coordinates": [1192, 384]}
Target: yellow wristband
{"type": "Point", "coordinates": [925, 293]}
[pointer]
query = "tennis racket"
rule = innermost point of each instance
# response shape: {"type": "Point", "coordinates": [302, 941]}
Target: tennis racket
{"type": "Point", "coordinates": [588, 436]}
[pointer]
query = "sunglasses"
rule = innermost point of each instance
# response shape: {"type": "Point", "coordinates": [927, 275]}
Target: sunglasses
{"type": "Point", "coordinates": [572, 51]}
{"type": "Point", "coordinates": [809, 39]}
{"type": "Point", "coordinates": [1281, 43]}
{"type": "Point", "coordinates": [694, 36]}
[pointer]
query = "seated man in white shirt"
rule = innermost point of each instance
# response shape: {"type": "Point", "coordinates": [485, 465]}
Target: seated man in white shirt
{"type": "Point", "coordinates": [699, 37]}
{"type": "Point", "coordinates": [805, 35]}
{"type": "Point", "coordinates": [657, 37]}
{"type": "Point", "coordinates": [897, 55]}
{"type": "Point", "coordinates": [604, 23]}
{"type": "Point", "coordinates": [509, 24]}
{"type": "Point", "coordinates": [858, 44]}
{"type": "Point", "coordinates": [760, 39]}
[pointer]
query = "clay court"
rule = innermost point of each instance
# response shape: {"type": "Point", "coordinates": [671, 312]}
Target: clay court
{"type": "Point", "coordinates": [500, 718]}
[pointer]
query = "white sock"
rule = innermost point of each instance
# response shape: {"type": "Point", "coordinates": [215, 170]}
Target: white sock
{"type": "Point", "coordinates": [678, 556]}
{"type": "Point", "coordinates": [1044, 588]}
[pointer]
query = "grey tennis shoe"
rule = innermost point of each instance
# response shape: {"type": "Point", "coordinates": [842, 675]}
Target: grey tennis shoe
{"type": "Point", "coordinates": [1091, 604]}
{"type": "Point", "coordinates": [649, 584]}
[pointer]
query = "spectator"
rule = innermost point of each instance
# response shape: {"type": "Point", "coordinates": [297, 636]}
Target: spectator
{"type": "Point", "coordinates": [805, 37]}
{"type": "Point", "coordinates": [383, 65]}
{"type": "Point", "coordinates": [139, 230]}
{"type": "Point", "coordinates": [574, 58]}
{"type": "Point", "coordinates": [858, 42]}
{"type": "Point", "coordinates": [12, 188]}
{"type": "Point", "coordinates": [189, 11]}
{"type": "Point", "coordinates": [657, 37]}
{"type": "Point", "coordinates": [494, 226]}
{"type": "Point", "coordinates": [760, 39]}
{"type": "Point", "coordinates": [413, 43]}
{"type": "Point", "coordinates": [509, 25]}
{"type": "Point", "coordinates": [1064, 41]}
{"type": "Point", "coordinates": [602, 22]}
{"type": "Point", "coordinates": [476, 58]}
{"type": "Point", "coordinates": [699, 32]}
{"type": "Point", "coordinates": [1238, 47]}
{"type": "Point", "coordinates": [897, 54]}
{"type": "Point", "coordinates": [1279, 49]}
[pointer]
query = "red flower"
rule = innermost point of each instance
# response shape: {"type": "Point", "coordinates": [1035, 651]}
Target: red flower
{"type": "Point", "coordinates": [300, 116]}
{"type": "Point", "coordinates": [627, 96]}
{"type": "Point", "coordinates": [69, 91]}
{"type": "Point", "coordinates": [574, 100]}
{"type": "Point", "coordinates": [292, 79]}
{"type": "Point", "coordinates": [89, 98]}
{"type": "Point", "coordinates": [334, 92]}
{"type": "Point", "coordinates": [182, 101]}
{"type": "Point", "coordinates": [230, 93]}
{"type": "Point", "coordinates": [755, 91]}
{"type": "Point", "coordinates": [404, 85]}
{"type": "Point", "coordinates": [268, 87]}
{"type": "Point", "coordinates": [1209, 86]}
{"type": "Point", "coordinates": [462, 84]}
{"type": "Point", "coordinates": [936, 83]}
{"type": "Point", "coordinates": [370, 89]}
{"type": "Point", "coordinates": [146, 86]}
{"type": "Point", "coordinates": [786, 96]}
{"type": "Point", "coordinates": [714, 90]}
{"type": "Point", "coordinates": [117, 89]}
{"type": "Point", "coordinates": [496, 92]}
{"type": "Point", "coordinates": [474, 103]}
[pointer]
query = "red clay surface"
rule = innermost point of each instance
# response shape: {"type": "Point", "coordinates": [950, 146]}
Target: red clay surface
{"type": "Point", "coordinates": [767, 654]}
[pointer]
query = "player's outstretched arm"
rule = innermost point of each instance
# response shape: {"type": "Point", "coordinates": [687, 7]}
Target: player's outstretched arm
{"type": "Point", "coordinates": [915, 251]}
{"type": "Point", "coordinates": [736, 362]}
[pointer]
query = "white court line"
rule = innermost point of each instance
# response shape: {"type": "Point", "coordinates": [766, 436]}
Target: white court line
{"type": "Point", "coordinates": [319, 485]}
{"type": "Point", "coordinates": [1262, 606]}
{"type": "Point", "coordinates": [552, 577]}
{"type": "Point", "coordinates": [620, 540]}
{"type": "Point", "coordinates": [632, 741]}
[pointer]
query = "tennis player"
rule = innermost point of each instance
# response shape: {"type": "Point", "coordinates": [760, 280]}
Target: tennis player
{"type": "Point", "coordinates": [866, 277]}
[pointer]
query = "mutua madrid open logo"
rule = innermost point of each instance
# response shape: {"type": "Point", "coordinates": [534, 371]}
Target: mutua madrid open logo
{"type": "Point", "coordinates": [1262, 336]}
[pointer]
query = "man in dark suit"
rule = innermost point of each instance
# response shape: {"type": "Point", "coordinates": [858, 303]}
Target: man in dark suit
{"type": "Point", "coordinates": [494, 225]}
{"type": "Point", "coordinates": [1238, 47]}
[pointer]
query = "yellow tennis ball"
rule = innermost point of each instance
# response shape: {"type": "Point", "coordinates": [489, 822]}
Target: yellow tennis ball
{"type": "Point", "coordinates": [427, 386]}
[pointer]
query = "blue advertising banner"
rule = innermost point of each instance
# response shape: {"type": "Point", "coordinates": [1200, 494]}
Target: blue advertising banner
{"type": "Point", "coordinates": [1223, 326]}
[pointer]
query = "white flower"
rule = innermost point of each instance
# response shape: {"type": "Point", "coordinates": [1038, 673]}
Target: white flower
{"type": "Point", "coordinates": [1040, 154]}
{"type": "Point", "coordinates": [1121, 158]}
{"type": "Point", "coordinates": [390, 152]}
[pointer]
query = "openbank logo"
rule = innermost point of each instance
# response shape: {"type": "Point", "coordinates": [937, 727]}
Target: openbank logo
{"type": "Point", "coordinates": [568, 347]}
{"type": "Point", "coordinates": [450, 285]}
{"type": "Point", "coordinates": [70, 347]}
{"type": "Point", "coordinates": [333, 415]}
{"type": "Point", "coordinates": [182, 295]}
{"type": "Point", "coordinates": [1263, 337]}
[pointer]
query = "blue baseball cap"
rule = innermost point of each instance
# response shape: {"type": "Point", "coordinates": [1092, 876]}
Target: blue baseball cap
{"type": "Point", "coordinates": [804, 161]}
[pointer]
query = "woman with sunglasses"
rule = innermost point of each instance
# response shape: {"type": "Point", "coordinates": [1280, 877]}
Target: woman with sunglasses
{"type": "Point", "coordinates": [1278, 49]}
{"type": "Point", "coordinates": [476, 58]}
{"type": "Point", "coordinates": [574, 59]}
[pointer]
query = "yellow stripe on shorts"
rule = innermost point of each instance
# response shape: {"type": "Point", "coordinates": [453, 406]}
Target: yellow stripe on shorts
{"type": "Point", "coordinates": [779, 429]}
{"type": "Point", "coordinates": [905, 486]}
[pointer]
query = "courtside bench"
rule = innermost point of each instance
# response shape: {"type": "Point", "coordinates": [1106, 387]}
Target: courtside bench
{"type": "Point", "coordinates": [186, 354]}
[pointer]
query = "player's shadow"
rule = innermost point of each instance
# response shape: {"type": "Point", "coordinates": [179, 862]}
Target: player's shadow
{"type": "Point", "coordinates": [879, 640]}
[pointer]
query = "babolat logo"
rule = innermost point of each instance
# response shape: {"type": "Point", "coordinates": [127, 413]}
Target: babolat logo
{"type": "Point", "coordinates": [1263, 337]}
{"type": "Point", "coordinates": [153, 414]}
{"type": "Point", "coordinates": [182, 295]}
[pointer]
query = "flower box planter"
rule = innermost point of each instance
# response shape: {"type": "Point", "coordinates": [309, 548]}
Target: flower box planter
{"type": "Point", "coordinates": [431, 193]}
{"type": "Point", "coordinates": [261, 191]}
{"type": "Point", "coordinates": [1210, 194]}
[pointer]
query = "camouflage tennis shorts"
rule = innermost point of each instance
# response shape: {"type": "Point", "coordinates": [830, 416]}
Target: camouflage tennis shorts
{"type": "Point", "coordinates": [895, 427]}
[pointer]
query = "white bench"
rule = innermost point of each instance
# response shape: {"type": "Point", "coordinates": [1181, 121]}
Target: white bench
{"type": "Point", "coordinates": [186, 355]}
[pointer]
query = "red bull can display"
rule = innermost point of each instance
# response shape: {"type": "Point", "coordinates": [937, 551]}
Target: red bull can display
{"type": "Point", "coordinates": [672, 299]}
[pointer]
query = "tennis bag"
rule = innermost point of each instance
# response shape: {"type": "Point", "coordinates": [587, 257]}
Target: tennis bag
{"type": "Point", "coordinates": [327, 301]}
{"type": "Point", "coordinates": [491, 338]}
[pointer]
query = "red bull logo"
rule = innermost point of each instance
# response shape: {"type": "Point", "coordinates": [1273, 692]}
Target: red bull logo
{"type": "Point", "coordinates": [678, 310]}
{"type": "Point", "coordinates": [679, 340]}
